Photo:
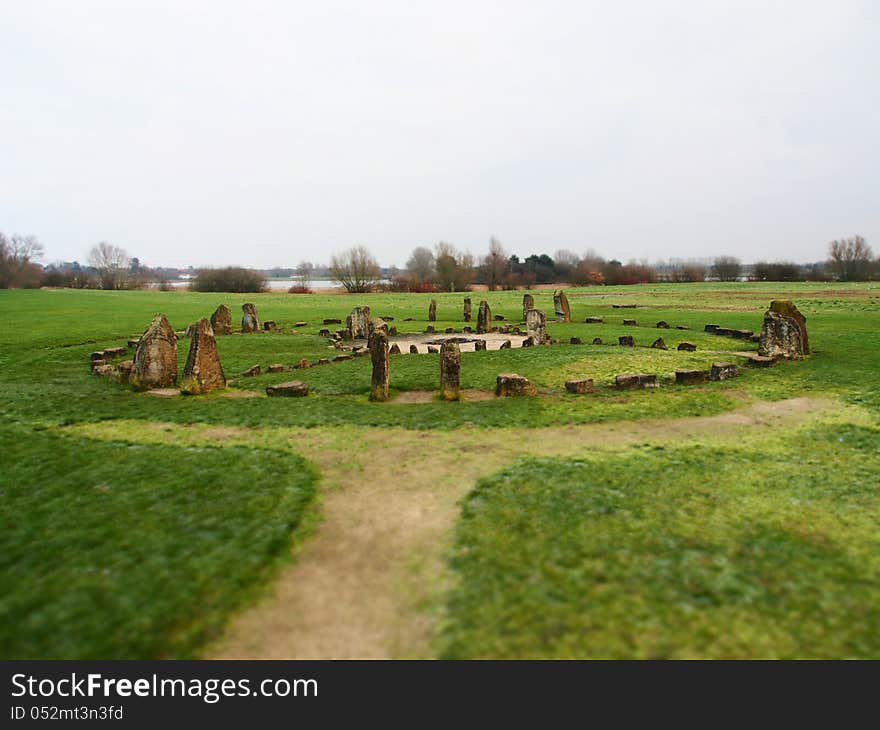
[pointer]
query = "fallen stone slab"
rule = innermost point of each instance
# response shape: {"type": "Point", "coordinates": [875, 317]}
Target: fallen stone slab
{"type": "Point", "coordinates": [691, 377]}
{"type": "Point", "coordinates": [663, 325]}
{"type": "Point", "coordinates": [635, 381]}
{"type": "Point", "coordinates": [300, 324]}
{"type": "Point", "coordinates": [276, 367]}
{"type": "Point", "coordinates": [595, 320]}
{"type": "Point", "coordinates": [292, 389]}
{"type": "Point", "coordinates": [630, 323]}
{"type": "Point", "coordinates": [323, 361]}
{"type": "Point", "coordinates": [332, 321]}
{"type": "Point", "coordinates": [759, 361]}
{"type": "Point", "coordinates": [511, 384]}
{"type": "Point", "coordinates": [579, 386]}
{"type": "Point", "coordinates": [723, 371]}
{"type": "Point", "coordinates": [343, 358]}
{"type": "Point", "coordinates": [112, 352]}
{"type": "Point", "coordinates": [682, 327]}
{"type": "Point", "coordinates": [624, 306]}
{"type": "Point", "coordinates": [687, 347]}
{"type": "Point", "coordinates": [252, 371]}
{"type": "Point", "coordinates": [710, 328]}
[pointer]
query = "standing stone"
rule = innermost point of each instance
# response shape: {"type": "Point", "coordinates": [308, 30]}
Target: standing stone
{"type": "Point", "coordinates": [597, 340]}
{"type": "Point", "coordinates": [394, 349]}
{"type": "Point", "coordinates": [528, 342]}
{"type": "Point", "coordinates": [203, 372]}
{"type": "Point", "coordinates": [560, 304]}
{"type": "Point", "coordinates": [528, 303]}
{"type": "Point", "coordinates": [467, 309]}
{"type": "Point", "coordinates": [784, 332]}
{"type": "Point", "coordinates": [505, 345]}
{"type": "Point", "coordinates": [659, 344]}
{"type": "Point", "coordinates": [413, 350]}
{"type": "Point", "coordinates": [536, 326]}
{"type": "Point", "coordinates": [250, 322]}
{"type": "Point", "coordinates": [479, 345]}
{"type": "Point", "coordinates": [379, 357]}
{"type": "Point", "coordinates": [450, 370]}
{"type": "Point", "coordinates": [155, 358]}
{"type": "Point", "coordinates": [626, 341]}
{"type": "Point", "coordinates": [357, 324]}
{"type": "Point", "coordinates": [221, 321]}
{"type": "Point", "coordinates": [190, 330]}
{"type": "Point", "coordinates": [432, 311]}
{"type": "Point", "coordinates": [484, 318]}
{"type": "Point", "coordinates": [377, 324]}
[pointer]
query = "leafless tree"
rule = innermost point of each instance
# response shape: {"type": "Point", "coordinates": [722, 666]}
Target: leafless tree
{"type": "Point", "coordinates": [454, 270]}
{"type": "Point", "coordinates": [727, 268]}
{"type": "Point", "coordinates": [850, 259]}
{"type": "Point", "coordinates": [496, 264]}
{"type": "Point", "coordinates": [18, 257]}
{"type": "Point", "coordinates": [420, 263]}
{"type": "Point", "coordinates": [305, 270]}
{"type": "Point", "coordinates": [355, 269]}
{"type": "Point", "coordinates": [112, 263]}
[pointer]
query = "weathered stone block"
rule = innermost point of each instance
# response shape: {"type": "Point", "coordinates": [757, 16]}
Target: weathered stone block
{"type": "Point", "coordinates": [221, 321]}
{"type": "Point", "coordinates": [292, 389]}
{"type": "Point", "coordinates": [723, 371]}
{"type": "Point", "coordinates": [626, 341]}
{"type": "Point", "coordinates": [691, 377]}
{"type": "Point", "coordinates": [687, 346]}
{"type": "Point", "coordinates": [511, 384]}
{"type": "Point", "coordinates": [250, 321]}
{"type": "Point", "coordinates": [579, 386]}
{"type": "Point", "coordinates": [155, 358]}
{"type": "Point", "coordinates": [635, 381]}
{"type": "Point", "coordinates": [203, 372]}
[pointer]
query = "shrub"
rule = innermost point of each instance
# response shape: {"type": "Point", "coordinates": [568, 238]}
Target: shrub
{"type": "Point", "coordinates": [229, 279]}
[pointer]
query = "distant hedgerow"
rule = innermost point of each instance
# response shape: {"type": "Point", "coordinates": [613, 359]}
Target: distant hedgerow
{"type": "Point", "coordinates": [229, 279]}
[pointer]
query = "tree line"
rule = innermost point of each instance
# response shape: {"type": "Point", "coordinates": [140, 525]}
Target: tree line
{"type": "Point", "coordinates": [440, 268]}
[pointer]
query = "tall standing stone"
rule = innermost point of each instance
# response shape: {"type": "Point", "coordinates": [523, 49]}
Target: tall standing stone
{"type": "Point", "coordinates": [784, 332]}
{"type": "Point", "coordinates": [528, 303]}
{"type": "Point", "coordinates": [432, 311]}
{"type": "Point", "coordinates": [484, 318]}
{"type": "Point", "coordinates": [221, 320]}
{"type": "Point", "coordinates": [450, 370]}
{"type": "Point", "coordinates": [203, 372]}
{"type": "Point", "coordinates": [358, 322]}
{"type": "Point", "coordinates": [536, 326]}
{"type": "Point", "coordinates": [560, 304]}
{"type": "Point", "coordinates": [467, 309]}
{"type": "Point", "coordinates": [250, 322]}
{"type": "Point", "coordinates": [376, 324]}
{"type": "Point", "coordinates": [155, 358]}
{"type": "Point", "coordinates": [379, 357]}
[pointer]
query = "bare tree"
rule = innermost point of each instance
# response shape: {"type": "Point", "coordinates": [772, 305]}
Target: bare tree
{"type": "Point", "coordinates": [727, 268]}
{"type": "Point", "coordinates": [112, 263]}
{"type": "Point", "coordinates": [305, 271]}
{"type": "Point", "coordinates": [496, 264]}
{"type": "Point", "coordinates": [420, 263]}
{"type": "Point", "coordinates": [355, 269]}
{"type": "Point", "coordinates": [18, 257]}
{"type": "Point", "coordinates": [850, 259]}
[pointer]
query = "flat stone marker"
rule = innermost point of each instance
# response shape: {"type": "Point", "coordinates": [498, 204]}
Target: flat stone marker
{"type": "Point", "coordinates": [626, 341]}
{"type": "Point", "coordinates": [340, 358]}
{"type": "Point", "coordinates": [691, 377]}
{"type": "Point", "coordinates": [511, 384]}
{"type": "Point", "coordinates": [579, 386]}
{"type": "Point", "coordinates": [112, 352]}
{"type": "Point", "coordinates": [270, 325]}
{"type": "Point", "coordinates": [723, 371]}
{"type": "Point", "coordinates": [332, 321]}
{"type": "Point", "coordinates": [203, 372]}
{"type": "Point", "coordinates": [663, 325]}
{"type": "Point", "coordinates": [635, 381]}
{"type": "Point", "coordinates": [710, 328]}
{"type": "Point", "coordinates": [759, 361]}
{"type": "Point", "coordinates": [292, 389]}
{"type": "Point", "coordinates": [687, 347]}
{"type": "Point", "coordinates": [595, 320]}
{"type": "Point", "coordinates": [630, 323]}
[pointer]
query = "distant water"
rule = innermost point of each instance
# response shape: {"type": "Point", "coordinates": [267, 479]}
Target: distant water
{"type": "Point", "coordinates": [277, 284]}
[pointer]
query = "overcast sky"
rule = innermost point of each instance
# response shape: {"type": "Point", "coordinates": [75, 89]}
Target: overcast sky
{"type": "Point", "coordinates": [265, 133]}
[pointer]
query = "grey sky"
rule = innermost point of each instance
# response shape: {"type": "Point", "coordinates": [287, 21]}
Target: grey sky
{"type": "Point", "coordinates": [266, 133]}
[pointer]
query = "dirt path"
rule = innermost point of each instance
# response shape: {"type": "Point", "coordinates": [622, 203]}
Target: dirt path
{"type": "Point", "coordinates": [367, 583]}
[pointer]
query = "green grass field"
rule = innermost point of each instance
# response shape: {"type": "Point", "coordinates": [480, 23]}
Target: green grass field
{"type": "Point", "coordinates": [590, 526]}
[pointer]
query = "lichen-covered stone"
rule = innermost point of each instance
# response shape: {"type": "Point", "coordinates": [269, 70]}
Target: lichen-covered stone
{"type": "Point", "coordinates": [560, 305]}
{"type": "Point", "coordinates": [582, 386]}
{"type": "Point", "coordinates": [221, 321]}
{"type": "Point", "coordinates": [635, 381]}
{"type": "Point", "coordinates": [536, 326]}
{"type": "Point", "coordinates": [203, 372]}
{"type": "Point", "coordinates": [687, 346]}
{"type": "Point", "coordinates": [94, 364]}
{"type": "Point", "coordinates": [250, 321]}
{"type": "Point", "coordinates": [723, 371]}
{"type": "Point", "coordinates": [379, 358]}
{"type": "Point", "coordinates": [357, 324]}
{"type": "Point", "coordinates": [527, 304]}
{"type": "Point", "coordinates": [784, 332]}
{"type": "Point", "coordinates": [122, 372]}
{"type": "Point", "coordinates": [626, 341]}
{"type": "Point", "coordinates": [691, 377]}
{"type": "Point", "coordinates": [432, 311]}
{"type": "Point", "coordinates": [155, 358]}
{"type": "Point", "coordinates": [484, 318]}
{"type": "Point", "coordinates": [190, 330]}
{"type": "Point", "coordinates": [450, 370]}
{"type": "Point", "coordinates": [103, 370]}
{"type": "Point", "coordinates": [292, 389]}
{"type": "Point", "coordinates": [511, 384]}
{"type": "Point", "coordinates": [376, 324]}
{"type": "Point", "coordinates": [659, 344]}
